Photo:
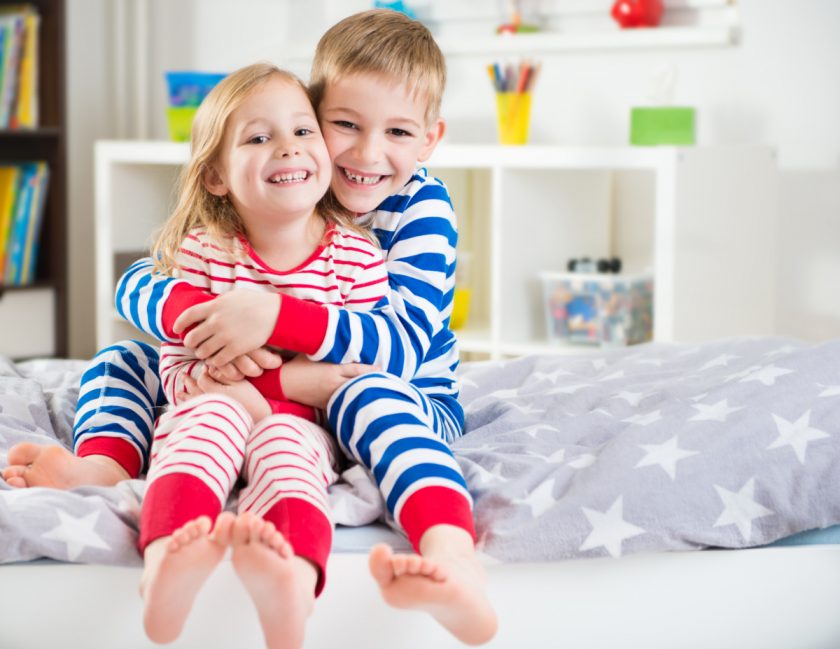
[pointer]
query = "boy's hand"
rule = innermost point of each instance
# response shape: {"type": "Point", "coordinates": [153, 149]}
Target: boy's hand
{"type": "Point", "coordinates": [191, 390]}
{"type": "Point", "coordinates": [243, 392]}
{"type": "Point", "coordinates": [312, 383]}
{"type": "Point", "coordinates": [231, 325]}
{"type": "Point", "coordinates": [251, 364]}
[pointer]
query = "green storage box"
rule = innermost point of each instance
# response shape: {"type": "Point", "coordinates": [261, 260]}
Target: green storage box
{"type": "Point", "coordinates": [661, 125]}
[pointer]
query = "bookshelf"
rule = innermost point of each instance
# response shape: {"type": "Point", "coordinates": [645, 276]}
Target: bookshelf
{"type": "Point", "coordinates": [33, 318]}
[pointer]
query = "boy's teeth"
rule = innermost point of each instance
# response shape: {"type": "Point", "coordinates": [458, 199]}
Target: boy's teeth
{"type": "Point", "coordinates": [288, 177]}
{"type": "Point", "coordinates": [364, 180]}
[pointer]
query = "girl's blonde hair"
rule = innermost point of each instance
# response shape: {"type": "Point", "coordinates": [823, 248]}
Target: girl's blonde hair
{"type": "Point", "coordinates": [196, 207]}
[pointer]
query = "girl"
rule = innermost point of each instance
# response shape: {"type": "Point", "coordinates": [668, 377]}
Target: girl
{"type": "Point", "coordinates": [250, 215]}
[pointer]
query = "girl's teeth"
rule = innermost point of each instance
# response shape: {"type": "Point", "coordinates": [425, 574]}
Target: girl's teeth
{"type": "Point", "coordinates": [363, 180]}
{"type": "Point", "coordinates": [287, 178]}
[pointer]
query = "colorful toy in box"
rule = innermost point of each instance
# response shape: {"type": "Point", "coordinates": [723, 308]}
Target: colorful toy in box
{"type": "Point", "coordinates": [186, 92]}
{"type": "Point", "coordinates": [610, 310]}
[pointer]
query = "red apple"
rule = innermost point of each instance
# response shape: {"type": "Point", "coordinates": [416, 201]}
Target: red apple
{"type": "Point", "coordinates": [637, 13]}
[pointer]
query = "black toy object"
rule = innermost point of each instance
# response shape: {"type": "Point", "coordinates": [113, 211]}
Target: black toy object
{"type": "Point", "coordinates": [587, 265]}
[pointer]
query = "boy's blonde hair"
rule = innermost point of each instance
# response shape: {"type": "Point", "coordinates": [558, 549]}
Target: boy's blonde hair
{"type": "Point", "coordinates": [196, 207]}
{"type": "Point", "coordinates": [381, 41]}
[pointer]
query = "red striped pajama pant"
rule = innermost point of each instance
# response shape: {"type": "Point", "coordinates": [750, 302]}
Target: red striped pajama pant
{"type": "Point", "coordinates": [203, 446]}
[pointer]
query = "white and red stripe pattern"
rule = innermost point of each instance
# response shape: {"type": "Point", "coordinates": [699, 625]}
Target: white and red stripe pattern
{"type": "Point", "coordinates": [204, 438]}
{"type": "Point", "coordinates": [287, 457]}
{"type": "Point", "coordinates": [346, 270]}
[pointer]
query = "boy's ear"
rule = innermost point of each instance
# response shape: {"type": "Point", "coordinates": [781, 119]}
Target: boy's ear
{"type": "Point", "coordinates": [213, 182]}
{"type": "Point", "coordinates": [433, 135]}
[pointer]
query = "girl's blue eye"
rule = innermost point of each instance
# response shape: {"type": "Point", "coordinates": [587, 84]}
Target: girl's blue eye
{"type": "Point", "coordinates": [304, 131]}
{"type": "Point", "coordinates": [258, 139]}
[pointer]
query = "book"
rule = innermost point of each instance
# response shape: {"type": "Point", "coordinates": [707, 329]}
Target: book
{"type": "Point", "coordinates": [25, 111]}
{"type": "Point", "coordinates": [13, 25]}
{"type": "Point", "coordinates": [33, 232]}
{"type": "Point", "coordinates": [9, 180]}
{"type": "Point", "coordinates": [20, 222]}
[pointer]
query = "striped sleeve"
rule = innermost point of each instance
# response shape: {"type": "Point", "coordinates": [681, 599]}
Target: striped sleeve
{"type": "Point", "coordinates": [397, 334]}
{"type": "Point", "coordinates": [152, 302]}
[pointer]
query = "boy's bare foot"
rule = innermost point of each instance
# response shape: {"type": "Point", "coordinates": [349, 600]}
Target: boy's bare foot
{"type": "Point", "coordinates": [281, 585]}
{"type": "Point", "coordinates": [176, 568]}
{"type": "Point", "coordinates": [49, 465]}
{"type": "Point", "coordinates": [449, 587]}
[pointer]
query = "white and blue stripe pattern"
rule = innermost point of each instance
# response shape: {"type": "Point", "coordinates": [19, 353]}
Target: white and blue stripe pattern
{"type": "Point", "coordinates": [399, 434]}
{"type": "Point", "coordinates": [120, 396]}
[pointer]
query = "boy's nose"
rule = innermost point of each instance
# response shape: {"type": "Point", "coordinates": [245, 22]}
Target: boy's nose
{"type": "Point", "coordinates": [368, 149]}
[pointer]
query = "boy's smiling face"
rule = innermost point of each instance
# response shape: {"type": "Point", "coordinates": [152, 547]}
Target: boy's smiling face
{"type": "Point", "coordinates": [376, 132]}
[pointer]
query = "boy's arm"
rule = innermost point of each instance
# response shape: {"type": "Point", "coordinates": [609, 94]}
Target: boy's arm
{"type": "Point", "coordinates": [398, 333]}
{"type": "Point", "coordinates": [152, 302]}
{"type": "Point", "coordinates": [395, 336]}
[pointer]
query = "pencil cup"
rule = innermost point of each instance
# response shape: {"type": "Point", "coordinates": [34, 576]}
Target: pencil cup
{"type": "Point", "coordinates": [513, 113]}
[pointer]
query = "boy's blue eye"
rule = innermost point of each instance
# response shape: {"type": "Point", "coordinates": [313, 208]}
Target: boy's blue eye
{"type": "Point", "coordinates": [399, 132]}
{"type": "Point", "coordinates": [344, 124]}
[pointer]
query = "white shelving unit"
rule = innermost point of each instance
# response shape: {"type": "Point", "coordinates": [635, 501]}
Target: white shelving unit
{"type": "Point", "coordinates": [701, 219]}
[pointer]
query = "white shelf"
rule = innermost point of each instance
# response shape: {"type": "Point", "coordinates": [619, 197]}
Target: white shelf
{"type": "Point", "coordinates": [702, 218]}
{"type": "Point", "coordinates": [618, 39]}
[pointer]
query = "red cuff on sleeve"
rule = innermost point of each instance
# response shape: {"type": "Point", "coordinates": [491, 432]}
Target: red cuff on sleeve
{"type": "Point", "coordinates": [268, 383]}
{"type": "Point", "coordinates": [120, 450]}
{"type": "Point", "coordinates": [301, 326]}
{"type": "Point", "coordinates": [183, 296]}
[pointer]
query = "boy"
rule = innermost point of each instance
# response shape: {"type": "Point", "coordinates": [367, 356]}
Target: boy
{"type": "Point", "coordinates": [377, 82]}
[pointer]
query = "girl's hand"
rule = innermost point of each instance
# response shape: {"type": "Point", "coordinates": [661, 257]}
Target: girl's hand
{"type": "Point", "coordinates": [251, 364]}
{"type": "Point", "coordinates": [243, 392]}
{"type": "Point", "coordinates": [191, 390]}
{"type": "Point", "coordinates": [230, 325]}
{"type": "Point", "coordinates": [312, 383]}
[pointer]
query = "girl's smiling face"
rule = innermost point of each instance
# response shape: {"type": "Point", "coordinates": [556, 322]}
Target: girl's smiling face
{"type": "Point", "coordinates": [273, 164]}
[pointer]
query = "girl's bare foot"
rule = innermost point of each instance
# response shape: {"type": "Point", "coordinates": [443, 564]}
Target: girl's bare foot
{"type": "Point", "coordinates": [450, 587]}
{"type": "Point", "coordinates": [176, 568]}
{"type": "Point", "coordinates": [281, 585]}
{"type": "Point", "coordinates": [49, 465]}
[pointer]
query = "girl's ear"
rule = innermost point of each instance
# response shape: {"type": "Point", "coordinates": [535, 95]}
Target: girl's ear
{"type": "Point", "coordinates": [430, 140]}
{"type": "Point", "coordinates": [213, 182]}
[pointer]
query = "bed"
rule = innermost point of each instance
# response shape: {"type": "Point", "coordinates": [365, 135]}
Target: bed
{"type": "Point", "coordinates": [653, 496]}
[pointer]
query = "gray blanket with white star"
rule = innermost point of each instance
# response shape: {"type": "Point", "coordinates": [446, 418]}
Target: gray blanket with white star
{"type": "Point", "coordinates": [730, 444]}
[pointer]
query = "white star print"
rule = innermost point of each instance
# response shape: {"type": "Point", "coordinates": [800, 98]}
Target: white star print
{"type": "Point", "coordinates": [767, 375]}
{"type": "Point", "coordinates": [830, 390]}
{"type": "Point", "coordinates": [633, 398]}
{"type": "Point", "coordinates": [656, 362]}
{"type": "Point", "coordinates": [540, 499]}
{"type": "Point", "coordinates": [551, 376]}
{"type": "Point", "coordinates": [740, 509]}
{"type": "Point", "coordinates": [533, 429]}
{"type": "Point", "coordinates": [609, 529]}
{"type": "Point", "coordinates": [665, 455]}
{"type": "Point", "coordinates": [796, 434]}
{"type": "Point", "coordinates": [611, 377]}
{"type": "Point", "coordinates": [715, 412]}
{"type": "Point", "coordinates": [77, 533]}
{"type": "Point", "coordinates": [583, 461]}
{"type": "Point", "coordinates": [526, 409]}
{"type": "Point", "coordinates": [482, 477]}
{"type": "Point", "coordinates": [719, 361]}
{"type": "Point", "coordinates": [644, 420]}
{"type": "Point", "coordinates": [787, 349]}
{"type": "Point", "coordinates": [741, 374]}
{"type": "Point", "coordinates": [599, 363]}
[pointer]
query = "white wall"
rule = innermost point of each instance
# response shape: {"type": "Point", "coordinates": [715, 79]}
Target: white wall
{"type": "Point", "coordinates": [779, 86]}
